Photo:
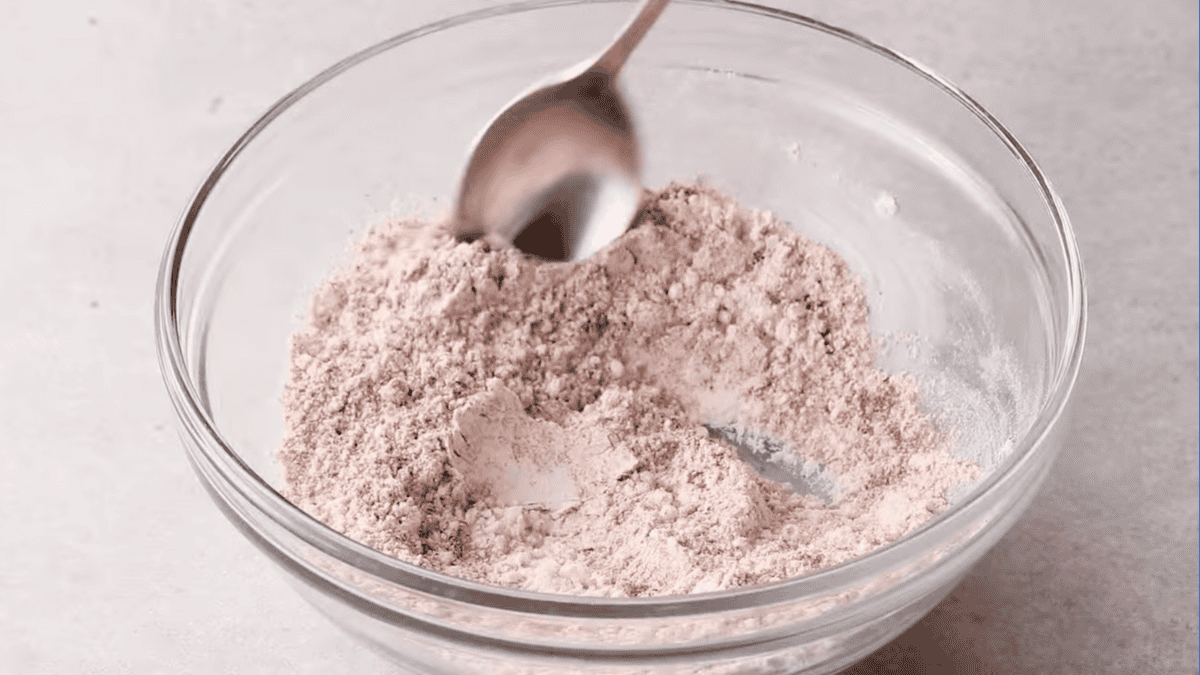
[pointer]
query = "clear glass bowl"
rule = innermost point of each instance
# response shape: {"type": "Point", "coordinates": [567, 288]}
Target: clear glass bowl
{"type": "Point", "coordinates": [974, 281]}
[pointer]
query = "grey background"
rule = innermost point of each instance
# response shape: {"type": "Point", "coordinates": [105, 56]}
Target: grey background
{"type": "Point", "coordinates": [113, 560]}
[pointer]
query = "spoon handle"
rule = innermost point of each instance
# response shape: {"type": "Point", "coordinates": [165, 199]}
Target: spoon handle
{"type": "Point", "coordinates": [618, 52]}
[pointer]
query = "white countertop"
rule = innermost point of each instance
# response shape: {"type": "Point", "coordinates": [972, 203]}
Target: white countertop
{"type": "Point", "coordinates": [113, 558]}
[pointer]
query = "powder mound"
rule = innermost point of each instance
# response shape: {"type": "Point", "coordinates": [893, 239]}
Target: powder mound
{"type": "Point", "coordinates": [554, 427]}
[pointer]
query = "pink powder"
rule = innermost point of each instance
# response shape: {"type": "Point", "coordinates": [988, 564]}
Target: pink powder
{"type": "Point", "coordinates": [562, 427]}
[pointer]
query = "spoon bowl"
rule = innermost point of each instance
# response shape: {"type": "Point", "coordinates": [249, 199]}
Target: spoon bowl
{"type": "Point", "coordinates": [558, 173]}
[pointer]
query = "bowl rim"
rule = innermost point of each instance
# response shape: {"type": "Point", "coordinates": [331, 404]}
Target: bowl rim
{"type": "Point", "coordinates": [221, 457]}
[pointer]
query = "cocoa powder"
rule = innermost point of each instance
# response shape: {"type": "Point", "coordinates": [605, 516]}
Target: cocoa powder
{"type": "Point", "coordinates": [590, 428]}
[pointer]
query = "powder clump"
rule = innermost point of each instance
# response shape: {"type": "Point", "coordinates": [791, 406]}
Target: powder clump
{"type": "Point", "coordinates": [566, 428]}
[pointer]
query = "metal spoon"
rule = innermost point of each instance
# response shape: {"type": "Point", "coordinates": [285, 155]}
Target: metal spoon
{"type": "Point", "coordinates": [557, 173]}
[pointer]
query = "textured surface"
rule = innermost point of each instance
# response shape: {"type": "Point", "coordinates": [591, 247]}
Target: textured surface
{"type": "Point", "coordinates": [114, 561]}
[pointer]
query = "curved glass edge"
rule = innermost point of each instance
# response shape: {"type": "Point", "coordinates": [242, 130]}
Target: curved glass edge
{"type": "Point", "coordinates": [231, 468]}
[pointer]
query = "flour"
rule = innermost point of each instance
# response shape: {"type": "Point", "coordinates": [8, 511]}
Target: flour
{"type": "Point", "coordinates": [566, 428]}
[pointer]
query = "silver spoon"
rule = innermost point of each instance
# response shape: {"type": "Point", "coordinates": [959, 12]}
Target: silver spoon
{"type": "Point", "coordinates": [557, 173]}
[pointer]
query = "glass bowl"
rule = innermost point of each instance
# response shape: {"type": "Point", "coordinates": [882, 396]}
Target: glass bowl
{"type": "Point", "coordinates": [973, 276]}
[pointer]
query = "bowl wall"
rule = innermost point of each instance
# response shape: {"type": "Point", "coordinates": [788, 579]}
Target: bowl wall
{"type": "Point", "coordinates": [971, 269]}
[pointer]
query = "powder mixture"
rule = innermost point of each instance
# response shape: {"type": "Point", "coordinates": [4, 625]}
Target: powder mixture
{"type": "Point", "coordinates": [565, 427]}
